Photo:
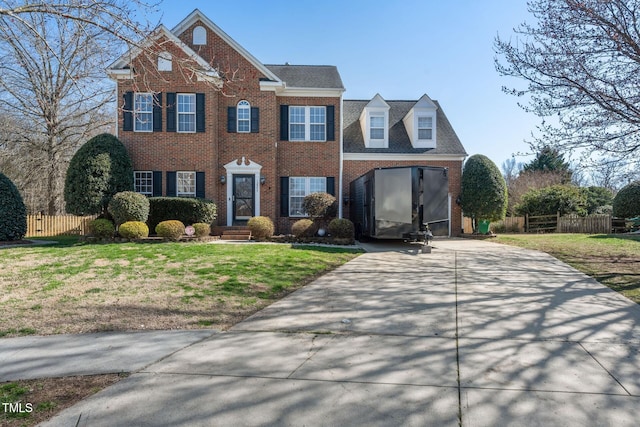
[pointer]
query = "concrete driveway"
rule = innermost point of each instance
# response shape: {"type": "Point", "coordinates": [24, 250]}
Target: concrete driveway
{"type": "Point", "coordinates": [473, 334]}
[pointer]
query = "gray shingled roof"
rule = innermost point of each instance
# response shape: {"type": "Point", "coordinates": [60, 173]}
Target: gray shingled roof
{"type": "Point", "coordinates": [446, 139]}
{"type": "Point", "coordinates": [310, 76]}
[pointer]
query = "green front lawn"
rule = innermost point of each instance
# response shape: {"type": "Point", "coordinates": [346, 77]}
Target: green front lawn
{"type": "Point", "coordinates": [72, 287]}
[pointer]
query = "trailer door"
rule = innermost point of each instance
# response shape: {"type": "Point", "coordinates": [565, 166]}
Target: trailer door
{"type": "Point", "coordinates": [435, 187]}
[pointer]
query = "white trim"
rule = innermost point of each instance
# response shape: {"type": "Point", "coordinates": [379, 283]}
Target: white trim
{"type": "Point", "coordinates": [197, 15]}
{"type": "Point", "coordinates": [244, 168]}
{"type": "Point", "coordinates": [340, 175]}
{"type": "Point", "coordinates": [281, 89]}
{"type": "Point", "coordinates": [403, 157]}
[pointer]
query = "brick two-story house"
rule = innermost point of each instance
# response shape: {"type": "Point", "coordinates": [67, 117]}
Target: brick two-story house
{"type": "Point", "coordinates": [201, 116]}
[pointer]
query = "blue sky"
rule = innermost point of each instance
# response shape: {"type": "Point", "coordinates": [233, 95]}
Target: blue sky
{"type": "Point", "coordinates": [400, 49]}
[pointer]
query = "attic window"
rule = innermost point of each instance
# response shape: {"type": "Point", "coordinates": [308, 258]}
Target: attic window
{"type": "Point", "coordinates": [425, 127]}
{"type": "Point", "coordinates": [164, 61]}
{"type": "Point", "coordinates": [199, 36]}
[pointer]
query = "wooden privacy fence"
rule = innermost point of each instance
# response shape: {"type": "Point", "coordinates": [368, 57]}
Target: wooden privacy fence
{"type": "Point", "coordinates": [58, 225]}
{"type": "Point", "coordinates": [592, 224]}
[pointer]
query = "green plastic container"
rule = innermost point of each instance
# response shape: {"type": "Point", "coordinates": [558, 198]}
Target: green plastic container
{"type": "Point", "coordinates": [483, 226]}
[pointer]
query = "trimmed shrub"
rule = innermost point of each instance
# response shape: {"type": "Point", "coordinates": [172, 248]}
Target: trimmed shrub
{"type": "Point", "coordinates": [202, 229]}
{"type": "Point", "coordinates": [341, 228]}
{"type": "Point", "coordinates": [133, 230]}
{"type": "Point", "coordinates": [626, 204]}
{"type": "Point", "coordinates": [320, 205]}
{"type": "Point", "coordinates": [129, 206]}
{"type": "Point", "coordinates": [171, 229]}
{"type": "Point", "coordinates": [303, 228]}
{"type": "Point", "coordinates": [484, 191]}
{"type": "Point", "coordinates": [188, 210]}
{"type": "Point", "coordinates": [13, 213]}
{"type": "Point", "coordinates": [99, 169]}
{"type": "Point", "coordinates": [261, 227]}
{"type": "Point", "coordinates": [102, 228]}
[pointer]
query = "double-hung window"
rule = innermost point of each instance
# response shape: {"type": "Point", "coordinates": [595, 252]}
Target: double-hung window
{"type": "Point", "coordinates": [143, 112]}
{"type": "Point", "coordinates": [376, 130]}
{"type": "Point", "coordinates": [244, 116]}
{"type": "Point", "coordinates": [186, 184]}
{"type": "Point", "coordinates": [425, 127]}
{"type": "Point", "coordinates": [307, 123]}
{"type": "Point", "coordinates": [299, 187]}
{"type": "Point", "coordinates": [143, 182]}
{"type": "Point", "coordinates": [186, 112]}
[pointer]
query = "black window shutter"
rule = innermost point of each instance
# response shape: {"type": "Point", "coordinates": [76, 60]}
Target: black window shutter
{"type": "Point", "coordinates": [200, 184]}
{"type": "Point", "coordinates": [284, 123]}
{"type": "Point", "coordinates": [284, 196]}
{"type": "Point", "coordinates": [199, 112]}
{"type": "Point", "coordinates": [127, 113]}
{"type": "Point", "coordinates": [331, 127]}
{"type": "Point", "coordinates": [231, 119]}
{"type": "Point", "coordinates": [171, 112]}
{"type": "Point", "coordinates": [157, 112]}
{"type": "Point", "coordinates": [157, 183]}
{"type": "Point", "coordinates": [171, 184]}
{"type": "Point", "coordinates": [331, 185]}
{"type": "Point", "coordinates": [255, 120]}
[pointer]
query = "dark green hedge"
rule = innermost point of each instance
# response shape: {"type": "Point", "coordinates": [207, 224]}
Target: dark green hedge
{"type": "Point", "coordinates": [188, 210]}
{"type": "Point", "coordinates": [626, 204]}
{"type": "Point", "coordinates": [13, 213]}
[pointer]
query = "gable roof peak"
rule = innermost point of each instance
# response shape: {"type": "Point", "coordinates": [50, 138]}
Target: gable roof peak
{"type": "Point", "coordinates": [425, 102]}
{"type": "Point", "coordinates": [377, 101]}
{"type": "Point", "coordinates": [197, 15]}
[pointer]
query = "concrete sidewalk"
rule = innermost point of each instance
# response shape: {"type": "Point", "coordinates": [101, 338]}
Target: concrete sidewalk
{"type": "Point", "coordinates": [26, 358]}
{"type": "Point", "coordinates": [473, 334]}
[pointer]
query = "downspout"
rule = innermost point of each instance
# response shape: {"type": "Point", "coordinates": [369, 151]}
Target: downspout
{"type": "Point", "coordinates": [341, 159]}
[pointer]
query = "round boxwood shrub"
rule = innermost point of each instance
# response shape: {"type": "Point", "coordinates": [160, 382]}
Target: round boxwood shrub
{"type": "Point", "coordinates": [201, 229]}
{"type": "Point", "coordinates": [303, 228]}
{"type": "Point", "coordinates": [626, 204]}
{"type": "Point", "coordinates": [261, 227]}
{"type": "Point", "coordinates": [102, 228]}
{"type": "Point", "coordinates": [129, 206]}
{"type": "Point", "coordinates": [13, 213]}
{"type": "Point", "coordinates": [133, 230]}
{"type": "Point", "coordinates": [171, 229]}
{"type": "Point", "coordinates": [341, 228]}
{"type": "Point", "coordinates": [188, 210]}
{"type": "Point", "coordinates": [99, 169]}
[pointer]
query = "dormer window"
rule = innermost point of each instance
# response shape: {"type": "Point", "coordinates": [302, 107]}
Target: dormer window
{"type": "Point", "coordinates": [199, 36]}
{"type": "Point", "coordinates": [374, 122]}
{"type": "Point", "coordinates": [425, 128]}
{"type": "Point", "coordinates": [376, 128]}
{"type": "Point", "coordinates": [244, 117]}
{"type": "Point", "coordinates": [420, 123]}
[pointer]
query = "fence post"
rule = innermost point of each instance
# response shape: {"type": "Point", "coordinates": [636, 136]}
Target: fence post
{"type": "Point", "coordinates": [557, 221]}
{"type": "Point", "coordinates": [526, 223]}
